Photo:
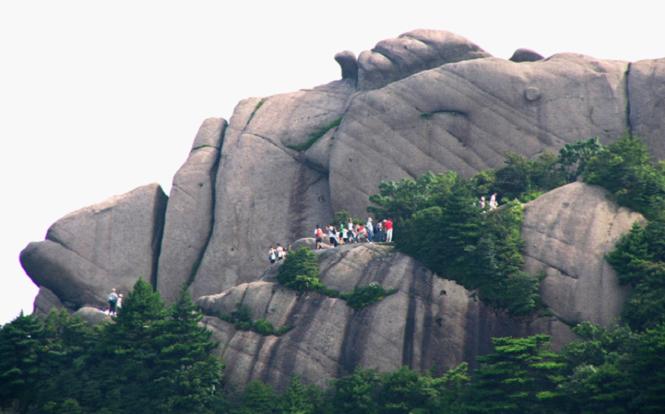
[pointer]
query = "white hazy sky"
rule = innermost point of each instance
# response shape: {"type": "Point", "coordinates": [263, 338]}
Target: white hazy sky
{"type": "Point", "coordinates": [100, 97]}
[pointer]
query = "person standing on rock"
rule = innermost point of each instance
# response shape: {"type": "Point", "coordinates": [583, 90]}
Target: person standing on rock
{"type": "Point", "coordinates": [272, 255]}
{"type": "Point", "coordinates": [332, 236]}
{"type": "Point", "coordinates": [280, 252]}
{"type": "Point", "coordinates": [370, 230]}
{"type": "Point", "coordinates": [493, 203]}
{"type": "Point", "coordinates": [389, 230]}
{"type": "Point", "coordinates": [113, 301]}
{"type": "Point", "coordinates": [118, 305]}
{"type": "Point", "coordinates": [318, 236]}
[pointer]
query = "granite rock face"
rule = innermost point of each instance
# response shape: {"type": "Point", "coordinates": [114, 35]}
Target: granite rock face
{"type": "Point", "coordinates": [108, 245]}
{"type": "Point", "coordinates": [267, 190]}
{"type": "Point", "coordinates": [429, 322]}
{"type": "Point", "coordinates": [465, 116]}
{"type": "Point", "coordinates": [567, 233]}
{"type": "Point", "coordinates": [412, 52]}
{"type": "Point", "coordinates": [646, 113]}
{"type": "Point", "coordinates": [425, 101]}
{"type": "Point", "coordinates": [45, 301]}
{"type": "Point", "coordinates": [189, 214]}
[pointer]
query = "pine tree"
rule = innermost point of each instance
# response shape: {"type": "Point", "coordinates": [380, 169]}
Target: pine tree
{"type": "Point", "coordinates": [189, 374]}
{"type": "Point", "coordinates": [21, 349]}
{"type": "Point", "coordinates": [520, 376]}
{"type": "Point", "coordinates": [129, 357]}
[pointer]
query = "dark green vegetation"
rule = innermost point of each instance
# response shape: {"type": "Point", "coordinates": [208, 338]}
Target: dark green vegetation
{"type": "Point", "coordinates": [241, 318]}
{"type": "Point", "coordinates": [440, 222]}
{"type": "Point", "coordinates": [316, 135]}
{"type": "Point", "coordinates": [153, 359]}
{"type": "Point", "coordinates": [300, 272]}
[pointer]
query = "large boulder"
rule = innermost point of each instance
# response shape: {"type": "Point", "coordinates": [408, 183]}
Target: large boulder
{"type": "Point", "coordinates": [267, 191]}
{"type": "Point", "coordinates": [567, 233]}
{"type": "Point", "coordinates": [92, 315]}
{"type": "Point", "coordinates": [430, 323]}
{"type": "Point", "coordinates": [525, 55]}
{"type": "Point", "coordinates": [466, 116]}
{"type": "Point", "coordinates": [45, 302]}
{"type": "Point", "coordinates": [108, 245]}
{"type": "Point", "coordinates": [412, 52]}
{"type": "Point", "coordinates": [189, 215]}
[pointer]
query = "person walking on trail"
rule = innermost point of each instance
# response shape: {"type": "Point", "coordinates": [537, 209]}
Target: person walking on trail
{"type": "Point", "coordinates": [281, 253]}
{"type": "Point", "coordinates": [113, 301]}
{"type": "Point", "coordinates": [318, 236]}
{"type": "Point", "coordinates": [482, 202]}
{"type": "Point", "coordinates": [389, 230]}
{"type": "Point", "coordinates": [370, 230]}
{"type": "Point", "coordinates": [118, 305]}
{"type": "Point", "coordinates": [272, 255]}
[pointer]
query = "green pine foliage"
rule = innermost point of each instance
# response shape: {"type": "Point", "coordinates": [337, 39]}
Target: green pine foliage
{"type": "Point", "coordinates": [629, 172]}
{"type": "Point", "coordinates": [21, 351]}
{"type": "Point", "coordinates": [242, 319]}
{"type": "Point", "coordinates": [520, 376]}
{"type": "Point", "coordinates": [478, 248]}
{"type": "Point", "coordinates": [363, 296]}
{"type": "Point", "coordinates": [300, 271]}
{"type": "Point", "coordinates": [151, 359]}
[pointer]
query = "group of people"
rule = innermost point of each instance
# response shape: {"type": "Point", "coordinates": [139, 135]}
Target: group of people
{"type": "Point", "coordinates": [114, 300]}
{"type": "Point", "coordinates": [276, 253]}
{"type": "Point", "coordinates": [381, 231]}
{"type": "Point", "coordinates": [492, 204]}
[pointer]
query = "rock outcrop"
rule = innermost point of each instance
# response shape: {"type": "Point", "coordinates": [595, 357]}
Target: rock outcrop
{"type": "Point", "coordinates": [646, 110]}
{"type": "Point", "coordinates": [267, 189]}
{"type": "Point", "coordinates": [412, 52]}
{"type": "Point", "coordinates": [92, 250]}
{"type": "Point", "coordinates": [430, 321]}
{"type": "Point", "coordinates": [465, 116]}
{"type": "Point", "coordinates": [525, 55]}
{"type": "Point", "coordinates": [189, 215]}
{"type": "Point", "coordinates": [567, 233]}
{"type": "Point", "coordinates": [425, 101]}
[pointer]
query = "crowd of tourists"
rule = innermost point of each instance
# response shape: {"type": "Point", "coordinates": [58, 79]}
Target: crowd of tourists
{"type": "Point", "coordinates": [332, 236]}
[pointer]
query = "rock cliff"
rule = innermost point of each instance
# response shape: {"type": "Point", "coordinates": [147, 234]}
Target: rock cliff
{"type": "Point", "coordinates": [427, 100]}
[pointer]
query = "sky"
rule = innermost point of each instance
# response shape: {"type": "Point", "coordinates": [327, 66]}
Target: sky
{"type": "Point", "coordinates": [100, 97]}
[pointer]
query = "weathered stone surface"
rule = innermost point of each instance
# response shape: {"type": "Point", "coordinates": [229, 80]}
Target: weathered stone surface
{"type": "Point", "coordinates": [92, 315]}
{"type": "Point", "coordinates": [525, 55]}
{"type": "Point", "coordinates": [347, 61]}
{"type": "Point", "coordinates": [465, 116]}
{"type": "Point", "coordinates": [108, 245]}
{"type": "Point", "coordinates": [646, 88]}
{"type": "Point", "coordinates": [567, 234]}
{"type": "Point", "coordinates": [429, 322]}
{"type": "Point", "coordinates": [412, 52]}
{"type": "Point", "coordinates": [189, 215]}
{"type": "Point", "coordinates": [266, 192]}
{"type": "Point", "coordinates": [45, 301]}
{"type": "Point", "coordinates": [308, 242]}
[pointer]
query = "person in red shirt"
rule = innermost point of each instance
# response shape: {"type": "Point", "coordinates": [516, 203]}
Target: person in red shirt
{"type": "Point", "coordinates": [389, 230]}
